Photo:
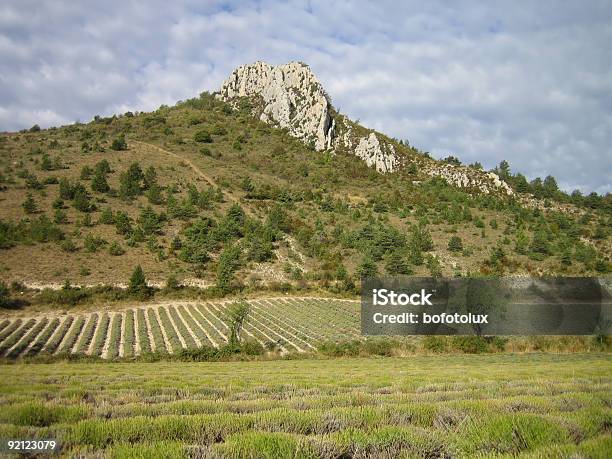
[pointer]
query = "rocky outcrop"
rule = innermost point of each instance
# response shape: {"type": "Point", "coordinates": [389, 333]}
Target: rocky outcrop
{"type": "Point", "coordinates": [463, 177]}
{"type": "Point", "coordinates": [379, 155]}
{"type": "Point", "coordinates": [292, 97]}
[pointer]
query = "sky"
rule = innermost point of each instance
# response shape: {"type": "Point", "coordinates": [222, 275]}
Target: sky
{"type": "Point", "coordinates": [528, 82]}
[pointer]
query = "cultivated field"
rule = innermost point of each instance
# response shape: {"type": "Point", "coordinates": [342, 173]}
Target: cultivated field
{"type": "Point", "coordinates": [285, 324]}
{"type": "Point", "coordinates": [439, 406]}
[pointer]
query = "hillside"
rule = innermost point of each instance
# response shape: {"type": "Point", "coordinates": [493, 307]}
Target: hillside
{"type": "Point", "coordinates": [265, 184]}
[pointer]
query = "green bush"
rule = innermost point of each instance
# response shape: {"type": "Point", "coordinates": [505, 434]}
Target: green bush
{"type": "Point", "coordinates": [470, 344]}
{"type": "Point", "coordinates": [5, 296]}
{"type": "Point", "coordinates": [455, 244]}
{"type": "Point", "coordinates": [202, 137]}
{"type": "Point", "coordinates": [29, 204]}
{"type": "Point", "coordinates": [435, 343]}
{"type": "Point", "coordinates": [138, 287]}
{"type": "Point", "coordinates": [115, 249]}
{"type": "Point", "coordinates": [119, 143]}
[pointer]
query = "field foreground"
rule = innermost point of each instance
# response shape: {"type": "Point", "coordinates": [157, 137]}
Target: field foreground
{"type": "Point", "coordinates": [436, 406]}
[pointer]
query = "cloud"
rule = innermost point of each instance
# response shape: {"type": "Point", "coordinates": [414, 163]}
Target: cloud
{"type": "Point", "coordinates": [529, 82]}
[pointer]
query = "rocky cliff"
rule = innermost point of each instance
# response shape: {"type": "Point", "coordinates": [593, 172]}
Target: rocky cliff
{"type": "Point", "coordinates": [292, 97]}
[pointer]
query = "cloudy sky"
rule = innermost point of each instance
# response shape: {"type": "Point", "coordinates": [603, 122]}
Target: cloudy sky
{"type": "Point", "coordinates": [530, 82]}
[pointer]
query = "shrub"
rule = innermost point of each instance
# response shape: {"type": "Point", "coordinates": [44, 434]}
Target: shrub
{"type": "Point", "coordinates": [119, 143]}
{"type": "Point", "coordinates": [229, 262]}
{"type": "Point", "coordinates": [455, 244]}
{"type": "Point", "coordinates": [86, 173]}
{"type": "Point", "coordinates": [60, 217]}
{"type": "Point", "coordinates": [115, 249]}
{"type": "Point", "coordinates": [202, 137]}
{"type": "Point", "coordinates": [172, 283]}
{"type": "Point", "coordinates": [93, 243]}
{"type": "Point", "coordinates": [435, 343]}
{"type": "Point", "coordinates": [29, 205]}
{"type": "Point", "coordinates": [138, 287]}
{"type": "Point", "coordinates": [5, 297]}
{"type": "Point", "coordinates": [470, 344]}
{"type": "Point", "coordinates": [46, 164]}
{"type": "Point", "coordinates": [106, 216]}
{"type": "Point", "coordinates": [68, 245]}
{"type": "Point", "coordinates": [99, 182]}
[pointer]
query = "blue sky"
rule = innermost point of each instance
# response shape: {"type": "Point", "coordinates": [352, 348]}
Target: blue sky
{"type": "Point", "coordinates": [529, 82]}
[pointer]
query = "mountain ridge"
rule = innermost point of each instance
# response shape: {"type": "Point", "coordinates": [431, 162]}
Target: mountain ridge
{"type": "Point", "coordinates": [290, 96]}
{"type": "Point", "coordinates": [185, 188]}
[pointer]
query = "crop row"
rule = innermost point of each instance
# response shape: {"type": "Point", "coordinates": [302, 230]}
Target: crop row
{"type": "Point", "coordinates": [287, 324]}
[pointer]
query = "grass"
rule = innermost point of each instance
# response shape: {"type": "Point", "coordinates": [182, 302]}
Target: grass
{"type": "Point", "coordinates": [535, 405]}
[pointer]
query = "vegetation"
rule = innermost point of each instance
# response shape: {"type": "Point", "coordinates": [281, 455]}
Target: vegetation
{"type": "Point", "coordinates": [450, 406]}
{"type": "Point", "coordinates": [280, 214]}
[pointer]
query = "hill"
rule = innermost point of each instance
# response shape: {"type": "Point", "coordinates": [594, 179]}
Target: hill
{"type": "Point", "coordinates": [264, 183]}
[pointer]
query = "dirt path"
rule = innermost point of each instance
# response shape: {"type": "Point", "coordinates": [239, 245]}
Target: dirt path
{"type": "Point", "coordinates": [109, 333]}
{"type": "Point", "coordinates": [198, 172]}
{"type": "Point", "coordinates": [121, 351]}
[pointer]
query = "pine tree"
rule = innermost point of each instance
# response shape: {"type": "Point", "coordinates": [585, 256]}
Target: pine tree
{"type": "Point", "coordinates": [138, 284]}
{"type": "Point", "coordinates": [150, 178]}
{"type": "Point", "coordinates": [130, 182]}
{"type": "Point", "coordinates": [29, 205]}
{"type": "Point", "coordinates": [81, 199]}
{"type": "Point", "coordinates": [119, 144]}
{"type": "Point", "coordinates": [46, 164]}
{"type": "Point", "coordinates": [103, 167]}
{"type": "Point", "coordinates": [455, 244]}
{"type": "Point", "coordinates": [396, 264]}
{"type": "Point", "coordinates": [99, 182]}
{"type": "Point", "coordinates": [367, 267]}
{"type": "Point", "coordinates": [229, 262]}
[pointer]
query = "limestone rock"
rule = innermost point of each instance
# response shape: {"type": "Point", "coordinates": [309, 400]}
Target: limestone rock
{"type": "Point", "coordinates": [292, 96]}
{"type": "Point", "coordinates": [464, 177]}
{"type": "Point", "coordinates": [377, 155]}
